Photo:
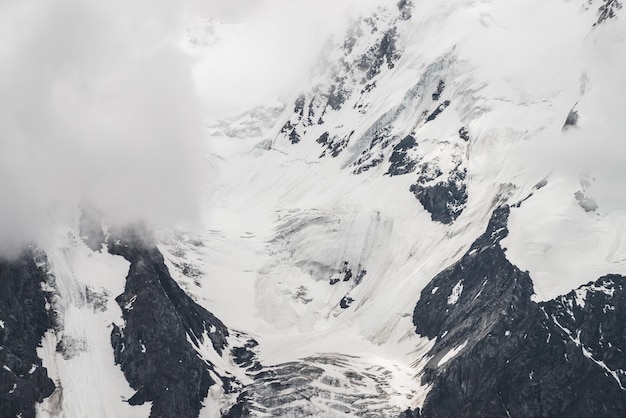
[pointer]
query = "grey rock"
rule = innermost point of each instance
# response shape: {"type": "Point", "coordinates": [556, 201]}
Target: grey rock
{"type": "Point", "coordinates": [518, 357]}
{"type": "Point", "coordinates": [24, 320]}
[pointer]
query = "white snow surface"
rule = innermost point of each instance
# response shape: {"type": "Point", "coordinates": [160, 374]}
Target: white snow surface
{"type": "Point", "coordinates": [451, 354]}
{"type": "Point", "coordinates": [279, 222]}
{"type": "Point", "coordinates": [88, 382]}
{"type": "Point", "coordinates": [456, 293]}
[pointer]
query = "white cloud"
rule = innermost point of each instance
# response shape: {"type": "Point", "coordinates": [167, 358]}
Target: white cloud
{"type": "Point", "coordinates": [98, 103]}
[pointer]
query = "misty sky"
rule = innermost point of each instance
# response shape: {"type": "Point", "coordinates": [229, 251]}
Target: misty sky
{"type": "Point", "coordinates": [100, 103]}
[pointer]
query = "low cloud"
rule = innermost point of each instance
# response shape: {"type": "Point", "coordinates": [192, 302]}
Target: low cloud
{"type": "Point", "coordinates": [100, 104]}
{"type": "Point", "coordinates": [97, 104]}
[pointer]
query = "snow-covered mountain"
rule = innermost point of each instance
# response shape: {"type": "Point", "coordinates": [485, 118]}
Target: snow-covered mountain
{"type": "Point", "coordinates": [433, 226]}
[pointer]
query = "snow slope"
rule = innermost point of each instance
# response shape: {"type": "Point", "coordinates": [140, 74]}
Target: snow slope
{"type": "Point", "coordinates": [77, 350]}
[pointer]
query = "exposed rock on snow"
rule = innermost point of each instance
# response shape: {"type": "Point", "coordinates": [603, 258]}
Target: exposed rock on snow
{"type": "Point", "coordinates": [324, 385]}
{"type": "Point", "coordinates": [159, 318]}
{"type": "Point", "coordinates": [608, 10]}
{"type": "Point", "coordinates": [518, 358]}
{"type": "Point", "coordinates": [24, 320]}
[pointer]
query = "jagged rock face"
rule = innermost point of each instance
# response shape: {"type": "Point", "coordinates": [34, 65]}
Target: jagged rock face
{"type": "Point", "coordinates": [497, 353]}
{"type": "Point", "coordinates": [23, 322]}
{"type": "Point", "coordinates": [592, 317]}
{"type": "Point", "coordinates": [154, 346]}
{"type": "Point", "coordinates": [608, 10]}
{"type": "Point", "coordinates": [444, 200]}
{"type": "Point", "coordinates": [350, 72]}
{"type": "Point", "coordinates": [394, 140]}
{"type": "Point", "coordinates": [454, 301]}
{"type": "Point", "coordinates": [401, 163]}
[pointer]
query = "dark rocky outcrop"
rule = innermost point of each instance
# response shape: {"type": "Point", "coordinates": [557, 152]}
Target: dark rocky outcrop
{"type": "Point", "coordinates": [440, 86]}
{"type": "Point", "coordinates": [245, 357]}
{"type": "Point", "coordinates": [499, 354]}
{"type": "Point", "coordinates": [608, 10]}
{"type": "Point", "coordinates": [337, 95]}
{"type": "Point", "coordinates": [154, 346]}
{"type": "Point", "coordinates": [323, 139]}
{"type": "Point", "coordinates": [294, 136]}
{"type": "Point", "coordinates": [347, 273]}
{"type": "Point", "coordinates": [438, 111]}
{"type": "Point", "coordinates": [592, 318]}
{"type": "Point", "coordinates": [385, 51]}
{"type": "Point", "coordinates": [406, 9]}
{"type": "Point", "coordinates": [241, 408]}
{"type": "Point", "coordinates": [334, 145]}
{"type": "Point", "coordinates": [482, 274]}
{"type": "Point", "coordinates": [571, 120]}
{"type": "Point", "coordinates": [464, 134]}
{"type": "Point", "coordinates": [445, 200]}
{"type": "Point", "coordinates": [23, 322]}
{"type": "Point", "coordinates": [400, 162]}
{"type": "Point", "coordinates": [298, 107]}
{"type": "Point", "coordinates": [409, 413]}
{"type": "Point", "coordinates": [345, 302]}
